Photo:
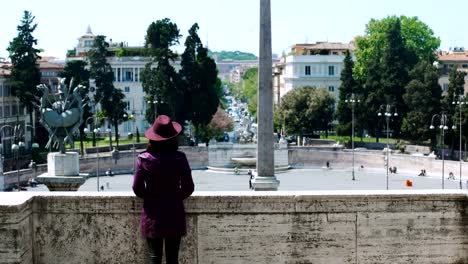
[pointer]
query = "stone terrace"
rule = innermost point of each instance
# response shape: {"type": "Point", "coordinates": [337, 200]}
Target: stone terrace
{"type": "Point", "coordinates": [242, 227]}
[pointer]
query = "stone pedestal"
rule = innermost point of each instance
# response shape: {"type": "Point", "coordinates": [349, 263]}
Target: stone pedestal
{"type": "Point", "coordinates": [265, 183]}
{"type": "Point", "coordinates": [62, 172]}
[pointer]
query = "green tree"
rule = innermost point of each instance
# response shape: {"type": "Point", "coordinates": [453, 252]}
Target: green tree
{"type": "Point", "coordinates": [306, 110]}
{"type": "Point", "coordinates": [25, 75]}
{"type": "Point", "coordinates": [159, 78]}
{"type": "Point", "coordinates": [373, 97]}
{"type": "Point", "coordinates": [395, 67]}
{"type": "Point", "coordinates": [200, 84]}
{"type": "Point", "coordinates": [349, 87]}
{"type": "Point", "coordinates": [419, 41]}
{"type": "Point", "coordinates": [110, 98]}
{"type": "Point", "coordinates": [422, 98]}
{"type": "Point", "coordinates": [76, 71]}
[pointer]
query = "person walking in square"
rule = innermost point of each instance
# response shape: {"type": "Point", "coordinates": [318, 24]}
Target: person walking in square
{"type": "Point", "coordinates": [163, 179]}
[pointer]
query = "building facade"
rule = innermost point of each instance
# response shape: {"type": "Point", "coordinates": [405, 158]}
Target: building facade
{"type": "Point", "coordinates": [318, 65]}
{"type": "Point", "coordinates": [457, 57]}
{"type": "Point", "coordinates": [13, 119]}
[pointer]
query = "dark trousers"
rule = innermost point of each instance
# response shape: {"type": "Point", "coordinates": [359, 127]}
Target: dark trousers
{"type": "Point", "coordinates": [155, 246]}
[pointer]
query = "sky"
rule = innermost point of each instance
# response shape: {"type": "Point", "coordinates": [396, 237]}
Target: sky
{"type": "Point", "coordinates": [224, 25]}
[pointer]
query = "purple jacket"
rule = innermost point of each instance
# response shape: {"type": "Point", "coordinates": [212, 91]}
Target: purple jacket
{"type": "Point", "coordinates": [163, 180]}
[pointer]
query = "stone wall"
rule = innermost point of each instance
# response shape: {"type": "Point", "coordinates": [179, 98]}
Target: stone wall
{"type": "Point", "coordinates": [248, 227]}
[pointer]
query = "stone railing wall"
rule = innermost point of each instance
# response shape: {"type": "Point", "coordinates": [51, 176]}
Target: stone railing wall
{"type": "Point", "coordinates": [248, 227]}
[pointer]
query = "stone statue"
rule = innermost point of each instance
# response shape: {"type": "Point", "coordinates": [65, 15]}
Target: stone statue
{"type": "Point", "coordinates": [245, 131]}
{"type": "Point", "coordinates": [61, 113]}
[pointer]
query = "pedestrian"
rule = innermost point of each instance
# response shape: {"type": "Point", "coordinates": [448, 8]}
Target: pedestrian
{"type": "Point", "coordinates": [328, 164]}
{"type": "Point", "coordinates": [250, 179]}
{"type": "Point", "coordinates": [163, 179]}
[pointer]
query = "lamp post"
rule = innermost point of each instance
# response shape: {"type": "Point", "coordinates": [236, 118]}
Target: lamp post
{"type": "Point", "coordinates": [108, 130]}
{"type": "Point", "coordinates": [460, 102]}
{"type": "Point", "coordinates": [155, 102]}
{"type": "Point", "coordinates": [16, 150]}
{"type": "Point", "coordinates": [96, 131]}
{"type": "Point", "coordinates": [352, 100]}
{"type": "Point", "coordinates": [132, 117]}
{"type": "Point", "coordinates": [388, 113]}
{"type": "Point", "coordinates": [443, 126]}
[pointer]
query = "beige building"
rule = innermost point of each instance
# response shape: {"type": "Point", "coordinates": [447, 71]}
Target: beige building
{"type": "Point", "coordinates": [457, 57]}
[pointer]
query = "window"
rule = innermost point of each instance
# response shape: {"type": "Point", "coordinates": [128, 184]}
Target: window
{"type": "Point", "coordinates": [118, 75]}
{"type": "Point", "coordinates": [14, 109]}
{"type": "Point", "coordinates": [127, 107]}
{"type": "Point", "coordinates": [127, 89]}
{"type": "Point", "coordinates": [7, 110]}
{"type": "Point", "coordinates": [464, 65]}
{"type": "Point", "coordinates": [136, 74]}
{"type": "Point", "coordinates": [331, 70]}
{"type": "Point", "coordinates": [331, 89]}
{"type": "Point", "coordinates": [88, 43]}
{"type": "Point", "coordinates": [307, 70]}
{"type": "Point", "coordinates": [127, 74]}
{"type": "Point", "coordinates": [445, 87]}
{"type": "Point", "coordinates": [7, 90]}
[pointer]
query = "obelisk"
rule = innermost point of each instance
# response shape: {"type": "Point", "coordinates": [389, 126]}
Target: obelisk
{"type": "Point", "coordinates": [265, 179]}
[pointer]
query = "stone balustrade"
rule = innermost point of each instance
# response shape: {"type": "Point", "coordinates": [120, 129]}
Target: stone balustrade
{"type": "Point", "coordinates": [242, 227]}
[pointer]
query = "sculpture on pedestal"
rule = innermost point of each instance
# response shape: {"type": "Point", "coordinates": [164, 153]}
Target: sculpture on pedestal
{"type": "Point", "coordinates": [61, 114]}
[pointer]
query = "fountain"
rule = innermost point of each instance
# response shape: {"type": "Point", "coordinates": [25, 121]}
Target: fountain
{"type": "Point", "coordinates": [61, 115]}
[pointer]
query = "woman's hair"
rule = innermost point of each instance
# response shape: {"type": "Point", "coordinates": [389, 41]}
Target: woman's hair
{"type": "Point", "coordinates": [163, 146]}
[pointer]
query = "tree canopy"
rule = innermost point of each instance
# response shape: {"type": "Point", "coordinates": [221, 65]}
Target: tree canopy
{"type": "Point", "coordinates": [306, 110]}
{"type": "Point", "coordinates": [200, 83]}
{"type": "Point", "coordinates": [418, 41]}
{"type": "Point", "coordinates": [159, 79]}
{"type": "Point", "coordinates": [422, 100]}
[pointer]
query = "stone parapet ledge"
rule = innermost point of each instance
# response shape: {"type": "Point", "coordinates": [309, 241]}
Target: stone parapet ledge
{"type": "Point", "coordinates": [406, 226]}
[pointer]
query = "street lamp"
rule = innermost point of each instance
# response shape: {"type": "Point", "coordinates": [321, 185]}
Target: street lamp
{"type": "Point", "coordinates": [388, 113]}
{"type": "Point", "coordinates": [352, 100]}
{"type": "Point", "coordinates": [16, 150]}
{"type": "Point", "coordinates": [443, 126]}
{"type": "Point", "coordinates": [155, 102]}
{"type": "Point", "coordinates": [460, 102]}
{"type": "Point", "coordinates": [96, 131]}
{"type": "Point", "coordinates": [108, 130]}
{"type": "Point", "coordinates": [132, 117]}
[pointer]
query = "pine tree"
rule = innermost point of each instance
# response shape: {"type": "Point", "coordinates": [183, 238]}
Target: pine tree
{"type": "Point", "coordinates": [110, 98]}
{"type": "Point", "coordinates": [395, 72]}
{"type": "Point", "coordinates": [348, 88]}
{"type": "Point", "coordinates": [199, 77]}
{"type": "Point", "coordinates": [25, 75]}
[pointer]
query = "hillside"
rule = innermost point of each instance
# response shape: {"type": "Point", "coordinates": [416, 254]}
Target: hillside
{"type": "Point", "coordinates": [231, 55]}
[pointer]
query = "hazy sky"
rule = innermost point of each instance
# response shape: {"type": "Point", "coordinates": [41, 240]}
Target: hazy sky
{"type": "Point", "coordinates": [225, 25]}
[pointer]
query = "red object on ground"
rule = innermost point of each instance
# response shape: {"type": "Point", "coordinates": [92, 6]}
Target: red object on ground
{"type": "Point", "coordinates": [409, 183]}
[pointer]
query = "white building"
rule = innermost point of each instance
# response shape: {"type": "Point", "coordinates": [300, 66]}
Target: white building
{"type": "Point", "coordinates": [318, 65]}
{"type": "Point", "coordinates": [127, 77]}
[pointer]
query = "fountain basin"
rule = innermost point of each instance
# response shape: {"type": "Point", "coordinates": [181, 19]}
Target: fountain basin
{"type": "Point", "coordinates": [245, 161]}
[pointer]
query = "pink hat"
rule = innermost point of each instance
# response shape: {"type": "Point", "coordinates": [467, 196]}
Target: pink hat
{"type": "Point", "coordinates": [163, 129]}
